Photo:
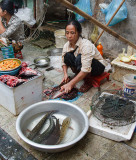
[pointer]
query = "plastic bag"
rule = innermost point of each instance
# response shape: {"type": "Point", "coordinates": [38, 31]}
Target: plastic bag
{"type": "Point", "coordinates": [110, 10]}
{"type": "Point", "coordinates": [83, 5]}
{"type": "Point", "coordinates": [103, 5]}
{"type": "Point", "coordinates": [26, 15]}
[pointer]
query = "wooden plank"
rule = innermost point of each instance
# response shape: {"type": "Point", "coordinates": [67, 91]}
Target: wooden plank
{"type": "Point", "coordinates": [47, 28]}
{"type": "Point", "coordinates": [34, 8]}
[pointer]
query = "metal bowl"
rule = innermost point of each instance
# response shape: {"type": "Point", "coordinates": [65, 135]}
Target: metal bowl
{"type": "Point", "coordinates": [79, 122]}
{"type": "Point", "coordinates": [12, 71]}
{"type": "Point", "coordinates": [41, 61]}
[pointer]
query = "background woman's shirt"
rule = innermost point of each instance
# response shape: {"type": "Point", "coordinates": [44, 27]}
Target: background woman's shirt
{"type": "Point", "coordinates": [87, 50]}
{"type": "Point", "coordinates": [14, 29]}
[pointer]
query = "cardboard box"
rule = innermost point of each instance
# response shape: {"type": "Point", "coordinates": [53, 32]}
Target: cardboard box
{"type": "Point", "coordinates": [16, 99]}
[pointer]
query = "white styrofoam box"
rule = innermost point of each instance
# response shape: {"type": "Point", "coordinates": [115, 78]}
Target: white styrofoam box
{"type": "Point", "coordinates": [16, 99]}
{"type": "Point", "coordinates": [121, 133]}
{"type": "Point", "coordinates": [60, 38]}
{"type": "Point", "coordinates": [116, 133]}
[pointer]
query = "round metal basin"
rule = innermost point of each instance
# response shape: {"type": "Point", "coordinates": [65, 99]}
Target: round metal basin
{"type": "Point", "coordinates": [41, 61]}
{"type": "Point", "coordinates": [78, 126]}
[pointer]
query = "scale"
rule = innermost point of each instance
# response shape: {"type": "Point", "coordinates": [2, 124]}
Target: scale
{"type": "Point", "coordinates": [116, 133]}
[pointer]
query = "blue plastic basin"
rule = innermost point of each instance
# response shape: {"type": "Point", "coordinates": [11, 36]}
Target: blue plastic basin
{"type": "Point", "coordinates": [13, 71]}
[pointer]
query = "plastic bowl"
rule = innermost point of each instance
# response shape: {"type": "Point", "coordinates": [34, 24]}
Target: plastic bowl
{"type": "Point", "coordinates": [79, 123]}
{"type": "Point", "coordinates": [12, 71]}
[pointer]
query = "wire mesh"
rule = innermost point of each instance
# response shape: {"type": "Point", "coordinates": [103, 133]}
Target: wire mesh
{"type": "Point", "coordinates": [113, 108]}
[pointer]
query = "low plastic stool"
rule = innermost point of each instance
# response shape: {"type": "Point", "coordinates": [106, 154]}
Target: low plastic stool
{"type": "Point", "coordinates": [18, 55]}
{"type": "Point", "coordinates": [96, 80]}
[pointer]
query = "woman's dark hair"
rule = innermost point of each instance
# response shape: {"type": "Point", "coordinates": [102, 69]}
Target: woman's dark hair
{"type": "Point", "coordinates": [8, 6]}
{"type": "Point", "coordinates": [76, 24]}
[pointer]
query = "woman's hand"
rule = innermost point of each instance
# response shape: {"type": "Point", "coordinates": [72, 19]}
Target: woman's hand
{"type": "Point", "coordinates": [67, 87]}
{"type": "Point", "coordinates": [65, 79]}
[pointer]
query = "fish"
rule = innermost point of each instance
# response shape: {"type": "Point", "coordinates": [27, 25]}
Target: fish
{"type": "Point", "coordinates": [58, 94]}
{"type": "Point", "coordinates": [38, 127]}
{"type": "Point", "coordinates": [40, 138]}
{"type": "Point", "coordinates": [47, 91]}
{"type": "Point", "coordinates": [65, 125]}
{"type": "Point", "coordinates": [54, 137]}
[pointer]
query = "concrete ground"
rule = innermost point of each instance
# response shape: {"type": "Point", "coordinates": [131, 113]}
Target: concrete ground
{"type": "Point", "coordinates": [91, 147]}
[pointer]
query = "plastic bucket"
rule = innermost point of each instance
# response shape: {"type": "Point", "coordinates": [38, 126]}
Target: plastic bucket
{"type": "Point", "coordinates": [7, 52]}
{"type": "Point", "coordinates": [60, 38]}
{"type": "Point", "coordinates": [129, 84]}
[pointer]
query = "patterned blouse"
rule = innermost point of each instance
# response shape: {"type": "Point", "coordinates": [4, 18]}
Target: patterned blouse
{"type": "Point", "coordinates": [14, 29]}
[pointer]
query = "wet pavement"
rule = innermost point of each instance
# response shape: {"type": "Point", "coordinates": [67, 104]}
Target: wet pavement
{"type": "Point", "coordinates": [91, 147]}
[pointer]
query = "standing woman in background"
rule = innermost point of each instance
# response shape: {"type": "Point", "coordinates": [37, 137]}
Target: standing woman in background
{"type": "Point", "coordinates": [10, 25]}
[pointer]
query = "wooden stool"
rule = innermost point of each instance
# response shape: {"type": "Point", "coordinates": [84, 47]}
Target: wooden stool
{"type": "Point", "coordinates": [96, 80]}
{"type": "Point", "coordinates": [18, 55]}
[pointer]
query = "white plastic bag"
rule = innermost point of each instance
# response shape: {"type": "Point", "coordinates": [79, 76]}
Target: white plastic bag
{"type": "Point", "coordinates": [103, 5]}
{"type": "Point", "coordinates": [26, 15]}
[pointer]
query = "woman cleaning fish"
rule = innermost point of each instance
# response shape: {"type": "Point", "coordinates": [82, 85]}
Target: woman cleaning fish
{"type": "Point", "coordinates": [81, 56]}
{"type": "Point", "coordinates": [84, 60]}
